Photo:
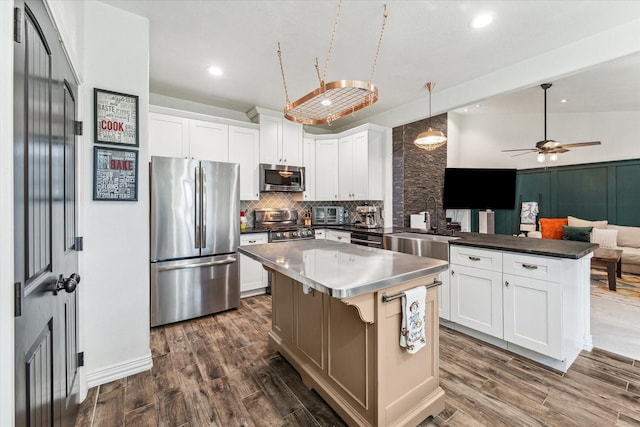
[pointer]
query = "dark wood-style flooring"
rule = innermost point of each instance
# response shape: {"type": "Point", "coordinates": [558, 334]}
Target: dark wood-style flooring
{"type": "Point", "coordinates": [219, 371]}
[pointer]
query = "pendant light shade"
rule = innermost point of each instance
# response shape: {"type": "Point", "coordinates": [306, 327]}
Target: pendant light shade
{"type": "Point", "coordinates": [430, 139]}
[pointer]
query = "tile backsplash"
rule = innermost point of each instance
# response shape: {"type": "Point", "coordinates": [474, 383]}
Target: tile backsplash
{"type": "Point", "coordinates": [286, 200]}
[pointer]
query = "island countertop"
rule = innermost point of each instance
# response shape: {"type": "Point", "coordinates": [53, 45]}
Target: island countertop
{"type": "Point", "coordinates": [341, 270]}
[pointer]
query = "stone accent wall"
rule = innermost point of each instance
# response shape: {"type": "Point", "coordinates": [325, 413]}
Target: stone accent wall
{"type": "Point", "coordinates": [417, 173]}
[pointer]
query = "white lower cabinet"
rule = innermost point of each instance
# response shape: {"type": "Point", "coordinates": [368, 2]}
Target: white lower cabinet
{"type": "Point", "coordinates": [444, 296]}
{"type": "Point", "coordinates": [532, 317]}
{"type": "Point", "coordinates": [338, 236]}
{"type": "Point", "coordinates": [253, 278]}
{"type": "Point", "coordinates": [320, 233]}
{"type": "Point", "coordinates": [476, 299]}
{"type": "Point", "coordinates": [515, 297]}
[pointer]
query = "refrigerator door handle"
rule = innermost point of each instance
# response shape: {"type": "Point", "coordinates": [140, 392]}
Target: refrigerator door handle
{"type": "Point", "coordinates": [228, 260]}
{"type": "Point", "coordinates": [197, 205]}
{"type": "Point", "coordinates": [203, 174]}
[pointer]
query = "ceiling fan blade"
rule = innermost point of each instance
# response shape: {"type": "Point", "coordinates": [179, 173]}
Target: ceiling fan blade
{"type": "Point", "coordinates": [580, 144]}
{"type": "Point", "coordinates": [521, 149]}
{"type": "Point", "coordinates": [520, 154]}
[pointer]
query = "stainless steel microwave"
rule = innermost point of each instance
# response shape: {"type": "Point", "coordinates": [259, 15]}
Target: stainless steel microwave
{"type": "Point", "coordinates": [327, 215]}
{"type": "Point", "coordinates": [281, 178]}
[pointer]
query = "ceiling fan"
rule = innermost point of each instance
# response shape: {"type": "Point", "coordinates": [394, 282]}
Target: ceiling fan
{"type": "Point", "coordinates": [549, 146]}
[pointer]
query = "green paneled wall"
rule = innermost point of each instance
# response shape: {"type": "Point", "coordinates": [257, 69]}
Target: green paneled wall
{"type": "Point", "coordinates": [608, 190]}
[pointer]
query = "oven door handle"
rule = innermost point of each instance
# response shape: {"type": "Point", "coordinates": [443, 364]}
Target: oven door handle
{"type": "Point", "coordinates": [367, 242]}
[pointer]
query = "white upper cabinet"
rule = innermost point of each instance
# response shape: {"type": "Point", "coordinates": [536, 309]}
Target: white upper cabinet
{"type": "Point", "coordinates": [183, 134]}
{"type": "Point", "coordinates": [168, 135]}
{"type": "Point", "coordinates": [280, 139]}
{"type": "Point", "coordinates": [291, 150]}
{"type": "Point", "coordinates": [326, 169]}
{"type": "Point", "coordinates": [208, 141]}
{"type": "Point", "coordinates": [309, 163]}
{"type": "Point", "coordinates": [360, 168]}
{"type": "Point", "coordinates": [244, 148]}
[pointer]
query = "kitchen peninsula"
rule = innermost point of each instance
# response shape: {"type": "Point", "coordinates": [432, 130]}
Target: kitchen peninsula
{"type": "Point", "coordinates": [332, 321]}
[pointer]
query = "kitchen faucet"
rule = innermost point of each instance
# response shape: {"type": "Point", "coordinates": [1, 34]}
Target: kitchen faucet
{"type": "Point", "coordinates": [433, 228]}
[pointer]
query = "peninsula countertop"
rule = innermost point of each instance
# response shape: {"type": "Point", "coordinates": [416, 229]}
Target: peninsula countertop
{"type": "Point", "coordinates": [341, 270]}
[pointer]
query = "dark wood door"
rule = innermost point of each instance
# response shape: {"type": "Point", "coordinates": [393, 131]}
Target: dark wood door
{"type": "Point", "coordinates": [45, 92]}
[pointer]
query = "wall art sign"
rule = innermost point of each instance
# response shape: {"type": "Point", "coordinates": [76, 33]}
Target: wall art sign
{"type": "Point", "coordinates": [115, 174]}
{"type": "Point", "coordinates": [116, 116]}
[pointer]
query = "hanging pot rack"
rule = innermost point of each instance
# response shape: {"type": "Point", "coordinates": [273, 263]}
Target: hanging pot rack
{"type": "Point", "coordinates": [336, 99]}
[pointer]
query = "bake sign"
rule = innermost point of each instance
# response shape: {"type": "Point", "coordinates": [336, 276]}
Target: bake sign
{"type": "Point", "coordinates": [116, 118]}
{"type": "Point", "coordinates": [115, 176]}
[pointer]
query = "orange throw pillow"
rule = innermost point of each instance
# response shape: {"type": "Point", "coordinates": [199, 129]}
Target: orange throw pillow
{"type": "Point", "coordinates": [551, 228]}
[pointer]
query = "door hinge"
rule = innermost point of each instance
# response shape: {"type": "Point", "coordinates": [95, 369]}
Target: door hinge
{"type": "Point", "coordinates": [78, 244]}
{"type": "Point", "coordinates": [80, 359]}
{"type": "Point", "coordinates": [17, 301]}
{"type": "Point", "coordinates": [17, 25]}
{"type": "Point", "coordinates": [77, 127]}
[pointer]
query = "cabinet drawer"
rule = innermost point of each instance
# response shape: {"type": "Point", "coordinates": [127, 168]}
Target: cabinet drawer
{"type": "Point", "coordinates": [253, 239]}
{"type": "Point", "coordinates": [477, 258]}
{"type": "Point", "coordinates": [533, 267]}
{"type": "Point", "coordinates": [338, 236]}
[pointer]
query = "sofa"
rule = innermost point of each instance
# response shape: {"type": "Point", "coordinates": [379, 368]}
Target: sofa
{"type": "Point", "coordinates": [601, 232]}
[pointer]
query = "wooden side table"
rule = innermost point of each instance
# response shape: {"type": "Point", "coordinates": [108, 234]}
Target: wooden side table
{"type": "Point", "coordinates": [611, 259]}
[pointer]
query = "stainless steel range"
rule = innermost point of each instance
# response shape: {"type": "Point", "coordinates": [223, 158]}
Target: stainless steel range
{"type": "Point", "coordinates": [282, 225]}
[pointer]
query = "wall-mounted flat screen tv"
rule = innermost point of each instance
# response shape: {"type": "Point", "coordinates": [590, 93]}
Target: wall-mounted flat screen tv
{"type": "Point", "coordinates": [467, 188]}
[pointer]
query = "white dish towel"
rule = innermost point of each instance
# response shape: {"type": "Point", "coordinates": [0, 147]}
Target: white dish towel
{"type": "Point", "coordinates": [412, 335]}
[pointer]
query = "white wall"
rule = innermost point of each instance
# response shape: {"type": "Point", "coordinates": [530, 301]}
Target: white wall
{"type": "Point", "coordinates": [481, 137]}
{"type": "Point", "coordinates": [6, 214]}
{"type": "Point", "coordinates": [115, 260]}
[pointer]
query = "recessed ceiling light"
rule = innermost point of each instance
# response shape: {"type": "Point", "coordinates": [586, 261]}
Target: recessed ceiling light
{"type": "Point", "coordinates": [326, 102]}
{"type": "Point", "coordinates": [215, 71]}
{"type": "Point", "coordinates": [465, 110]}
{"type": "Point", "coordinates": [481, 21]}
{"type": "Point", "coordinates": [563, 101]}
{"type": "Point", "coordinates": [477, 105]}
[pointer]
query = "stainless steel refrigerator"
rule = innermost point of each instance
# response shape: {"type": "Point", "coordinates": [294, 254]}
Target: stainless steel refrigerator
{"type": "Point", "coordinates": [195, 233]}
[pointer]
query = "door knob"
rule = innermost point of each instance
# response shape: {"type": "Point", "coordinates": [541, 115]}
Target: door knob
{"type": "Point", "coordinates": [69, 284]}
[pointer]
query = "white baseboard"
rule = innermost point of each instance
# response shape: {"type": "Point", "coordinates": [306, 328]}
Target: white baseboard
{"type": "Point", "coordinates": [120, 370]}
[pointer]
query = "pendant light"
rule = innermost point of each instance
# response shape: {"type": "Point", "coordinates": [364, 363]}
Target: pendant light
{"type": "Point", "coordinates": [430, 139]}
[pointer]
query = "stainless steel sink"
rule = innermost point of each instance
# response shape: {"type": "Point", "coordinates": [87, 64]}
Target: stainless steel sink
{"type": "Point", "coordinates": [426, 245]}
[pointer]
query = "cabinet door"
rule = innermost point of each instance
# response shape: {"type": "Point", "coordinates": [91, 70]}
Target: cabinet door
{"type": "Point", "coordinates": [320, 233]}
{"type": "Point", "coordinates": [532, 314]}
{"type": "Point", "coordinates": [244, 148]}
{"type": "Point", "coordinates": [309, 157]}
{"type": "Point", "coordinates": [360, 167]}
{"type": "Point", "coordinates": [345, 168]}
{"type": "Point", "coordinates": [270, 137]}
{"type": "Point", "coordinates": [252, 275]}
{"type": "Point", "coordinates": [291, 149]}
{"type": "Point", "coordinates": [168, 135]}
{"type": "Point", "coordinates": [476, 299]}
{"type": "Point", "coordinates": [327, 169]}
{"type": "Point", "coordinates": [208, 141]}
{"type": "Point", "coordinates": [444, 295]}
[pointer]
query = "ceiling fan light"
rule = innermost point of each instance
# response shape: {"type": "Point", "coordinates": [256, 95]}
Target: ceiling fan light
{"type": "Point", "coordinates": [553, 157]}
{"type": "Point", "coordinates": [540, 158]}
{"type": "Point", "coordinates": [430, 139]}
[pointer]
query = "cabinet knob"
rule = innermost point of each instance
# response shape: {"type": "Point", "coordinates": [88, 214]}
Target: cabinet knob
{"type": "Point", "coordinates": [506, 283]}
{"type": "Point", "coordinates": [453, 272]}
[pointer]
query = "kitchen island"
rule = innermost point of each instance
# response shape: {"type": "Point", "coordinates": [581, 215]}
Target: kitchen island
{"type": "Point", "coordinates": [332, 321]}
